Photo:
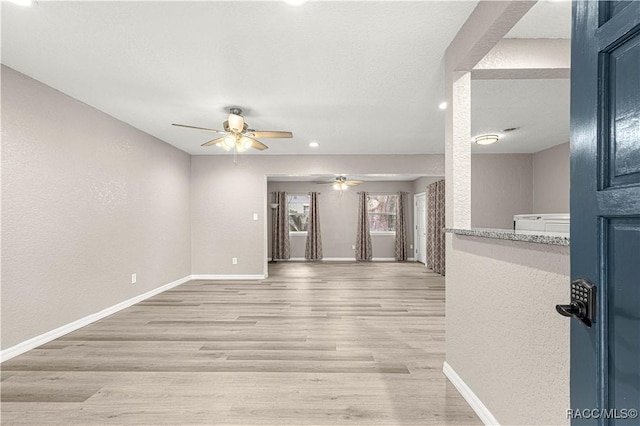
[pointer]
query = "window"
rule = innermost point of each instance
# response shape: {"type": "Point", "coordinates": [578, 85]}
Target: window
{"type": "Point", "coordinates": [298, 212]}
{"type": "Point", "coordinates": [382, 213]}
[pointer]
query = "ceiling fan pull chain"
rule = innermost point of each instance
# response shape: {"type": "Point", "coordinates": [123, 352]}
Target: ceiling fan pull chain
{"type": "Point", "coordinates": [235, 155]}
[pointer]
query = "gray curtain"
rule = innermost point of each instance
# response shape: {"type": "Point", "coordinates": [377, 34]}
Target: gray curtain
{"type": "Point", "coordinates": [363, 237]}
{"type": "Point", "coordinates": [313, 248]}
{"type": "Point", "coordinates": [280, 245]}
{"type": "Point", "coordinates": [435, 227]}
{"type": "Point", "coordinates": [401, 239]}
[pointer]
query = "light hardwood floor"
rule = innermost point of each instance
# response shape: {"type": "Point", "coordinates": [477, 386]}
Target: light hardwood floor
{"type": "Point", "coordinates": [315, 344]}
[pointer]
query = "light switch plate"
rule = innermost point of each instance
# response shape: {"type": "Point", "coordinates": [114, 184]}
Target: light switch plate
{"type": "Point", "coordinates": [255, 216]}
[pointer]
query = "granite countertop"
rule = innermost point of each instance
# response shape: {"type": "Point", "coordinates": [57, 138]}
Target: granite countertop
{"type": "Point", "coordinates": [539, 237]}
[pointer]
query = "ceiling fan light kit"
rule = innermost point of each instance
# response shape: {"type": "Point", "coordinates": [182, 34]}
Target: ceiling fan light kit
{"type": "Point", "coordinates": [237, 135]}
{"type": "Point", "coordinates": [229, 142]}
{"type": "Point", "coordinates": [236, 121]}
{"type": "Point", "coordinates": [340, 186]}
{"type": "Point", "coordinates": [244, 144]}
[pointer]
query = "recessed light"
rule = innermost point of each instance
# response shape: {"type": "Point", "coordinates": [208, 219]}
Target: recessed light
{"type": "Point", "coordinates": [443, 105]}
{"type": "Point", "coordinates": [486, 139]}
{"type": "Point", "coordinates": [296, 2]}
{"type": "Point", "coordinates": [23, 2]}
{"type": "Point", "coordinates": [314, 144]}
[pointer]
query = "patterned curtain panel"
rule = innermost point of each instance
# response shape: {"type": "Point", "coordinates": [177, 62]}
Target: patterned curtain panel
{"type": "Point", "coordinates": [435, 227]}
{"type": "Point", "coordinates": [363, 238]}
{"type": "Point", "coordinates": [401, 238]}
{"type": "Point", "coordinates": [281, 227]}
{"type": "Point", "coordinates": [313, 249]}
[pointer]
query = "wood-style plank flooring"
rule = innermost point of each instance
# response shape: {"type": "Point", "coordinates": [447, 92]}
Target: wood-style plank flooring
{"type": "Point", "coordinates": [315, 344]}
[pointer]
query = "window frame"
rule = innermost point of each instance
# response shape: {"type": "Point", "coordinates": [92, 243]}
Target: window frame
{"type": "Point", "coordinates": [297, 194]}
{"type": "Point", "coordinates": [373, 194]}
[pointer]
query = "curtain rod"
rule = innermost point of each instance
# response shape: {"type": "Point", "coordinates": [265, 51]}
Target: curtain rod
{"type": "Point", "coordinates": [294, 193]}
{"type": "Point", "coordinates": [382, 192]}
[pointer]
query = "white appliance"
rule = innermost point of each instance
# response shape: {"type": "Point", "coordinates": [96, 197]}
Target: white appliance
{"type": "Point", "coordinates": [556, 222]}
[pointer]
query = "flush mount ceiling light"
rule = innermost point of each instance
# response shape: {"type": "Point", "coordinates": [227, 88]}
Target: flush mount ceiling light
{"type": "Point", "coordinates": [314, 144]}
{"type": "Point", "coordinates": [486, 139]}
{"type": "Point", "coordinates": [443, 105]}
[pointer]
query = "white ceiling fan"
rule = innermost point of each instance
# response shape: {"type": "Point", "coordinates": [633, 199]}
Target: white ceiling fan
{"type": "Point", "coordinates": [238, 136]}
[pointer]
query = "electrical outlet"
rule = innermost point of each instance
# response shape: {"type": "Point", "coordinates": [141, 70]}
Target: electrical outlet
{"type": "Point", "coordinates": [134, 278]}
{"type": "Point", "coordinates": [234, 260]}
{"type": "Point", "coordinates": [353, 246]}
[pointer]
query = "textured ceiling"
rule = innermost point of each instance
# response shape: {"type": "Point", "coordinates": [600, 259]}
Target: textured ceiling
{"type": "Point", "coordinates": [340, 73]}
{"type": "Point", "coordinates": [540, 108]}
{"type": "Point", "coordinates": [357, 77]}
{"type": "Point", "coordinates": [546, 19]}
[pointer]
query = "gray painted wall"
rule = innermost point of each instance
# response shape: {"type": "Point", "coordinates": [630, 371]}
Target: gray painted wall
{"type": "Point", "coordinates": [501, 186]}
{"type": "Point", "coordinates": [224, 197]}
{"type": "Point", "coordinates": [87, 200]}
{"type": "Point", "coordinates": [503, 337]}
{"type": "Point", "coordinates": [551, 180]}
{"type": "Point", "coordinates": [420, 184]}
{"type": "Point", "coordinates": [339, 218]}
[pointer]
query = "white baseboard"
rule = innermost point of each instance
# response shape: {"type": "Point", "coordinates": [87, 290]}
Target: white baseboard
{"type": "Point", "coordinates": [34, 342]}
{"type": "Point", "coordinates": [480, 409]}
{"type": "Point", "coordinates": [344, 259]}
{"type": "Point", "coordinates": [229, 277]}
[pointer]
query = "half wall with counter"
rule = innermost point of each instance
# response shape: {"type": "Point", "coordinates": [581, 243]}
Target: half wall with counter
{"type": "Point", "coordinates": [507, 348]}
{"type": "Point", "coordinates": [505, 342]}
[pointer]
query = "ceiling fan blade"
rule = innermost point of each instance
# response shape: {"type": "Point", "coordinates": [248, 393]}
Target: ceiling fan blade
{"type": "Point", "coordinates": [255, 143]}
{"type": "Point", "coordinates": [270, 134]}
{"type": "Point", "coordinates": [325, 183]}
{"type": "Point", "coordinates": [213, 142]}
{"type": "Point", "coordinates": [353, 182]}
{"type": "Point", "coordinates": [199, 128]}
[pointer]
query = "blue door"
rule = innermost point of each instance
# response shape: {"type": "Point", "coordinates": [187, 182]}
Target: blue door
{"type": "Point", "coordinates": [605, 210]}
